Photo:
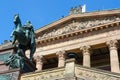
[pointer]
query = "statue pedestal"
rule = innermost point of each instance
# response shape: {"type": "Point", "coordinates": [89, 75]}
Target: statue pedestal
{"type": "Point", "coordinates": [14, 74]}
{"type": "Point", "coordinates": [18, 60]}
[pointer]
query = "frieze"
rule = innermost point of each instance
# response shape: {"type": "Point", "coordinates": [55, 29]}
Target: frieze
{"type": "Point", "coordinates": [78, 25]}
{"type": "Point", "coordinates": [48, 75]}
{"type": "Point", "coordinates": [94, 75]}
{"type": "Point", "coordinates": [112, 33]}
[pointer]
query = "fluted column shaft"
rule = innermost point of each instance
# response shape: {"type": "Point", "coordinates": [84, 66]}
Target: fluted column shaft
{"type": "Point", "coordinates": [61, 58]}
{"type": "Point", "coordinates": [86, 55]}
{"type": "Point", "coordinates": [114, 60]}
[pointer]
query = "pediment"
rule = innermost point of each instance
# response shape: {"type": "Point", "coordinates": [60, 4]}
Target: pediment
{"type": "Point", "coordinates": [77, 23]}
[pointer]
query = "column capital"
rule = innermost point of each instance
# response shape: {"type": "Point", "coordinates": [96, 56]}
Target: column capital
{"type": "Point", "coordinates": [112, 44]}
{"type": "Point", "coordinates": [86, 55]}
{"type": "Point", "coordinates": [39, 58]}
{"type": "Point", "coordinates": [61, 53]}
{"type": "Point", "coordinates": [85, 49]}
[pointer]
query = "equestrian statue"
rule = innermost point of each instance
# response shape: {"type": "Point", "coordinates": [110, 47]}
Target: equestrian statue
{"type": "Point", "coordinates": [25, 37]}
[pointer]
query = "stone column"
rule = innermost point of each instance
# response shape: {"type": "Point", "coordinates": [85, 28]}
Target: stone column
{"type": "Point", "coordinates": [86, 55]}
{"type": "Point", "coordinates": [39, 63]}
{"type": "Point", "coordinates": [61, 58]}
{"type": "Point", "coordinates": [114, 61]}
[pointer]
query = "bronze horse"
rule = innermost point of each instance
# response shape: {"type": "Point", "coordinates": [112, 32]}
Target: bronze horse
{"type": "Point", "coordinates": [25, 37]}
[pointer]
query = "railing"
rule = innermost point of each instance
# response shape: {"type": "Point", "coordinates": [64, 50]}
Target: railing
{"type": "Point", "coordinates": [49, 74]}
{"type": "Point", "coordinates": [95, 74]}
{"type": "Point", "coordinates": [71, 72]}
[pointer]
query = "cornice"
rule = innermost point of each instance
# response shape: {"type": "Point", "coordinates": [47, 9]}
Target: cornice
{"type": "Point", "coordinates": [79, 32]}
{"type": "Point", "coordinates": [81, 15]}
{"type": "Point", "coordinates": [6, 47]}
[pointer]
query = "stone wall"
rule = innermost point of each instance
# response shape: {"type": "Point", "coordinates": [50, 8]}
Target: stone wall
{"type": "Point", "coordinates": [71, 72]}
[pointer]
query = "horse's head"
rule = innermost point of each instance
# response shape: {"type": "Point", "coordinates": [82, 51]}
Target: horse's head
{"type": "Point", "coordinates": [17, 20]}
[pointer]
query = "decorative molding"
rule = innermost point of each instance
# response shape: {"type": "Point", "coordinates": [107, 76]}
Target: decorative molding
{"type": "Point", "coordinates": [112, 44]}
{"type": "Point", "coordinates": [112, 33]}
{"type": "Point", "coordinates": [61, 54]}
{"type": "Point", "coordinates": [39, 58]}
{"type": "Point", "coordinates": [84, 73]}
{"type": "Point", "coordinates": [85, 49]}
{"type": "Point", "coordinates": [79, 32]}
{"type": "Point", "coordinates": [78, 25]}
{"type": "Point", "coordinates": [89, 74]}
{"type": "Point", "coordinates": [48, 74]}
{"type": "Point", "coordinates": [76, 10]}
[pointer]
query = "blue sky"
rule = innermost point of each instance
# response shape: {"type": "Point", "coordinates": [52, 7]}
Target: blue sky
{"type": "Point", "coordinates": [43, 12]}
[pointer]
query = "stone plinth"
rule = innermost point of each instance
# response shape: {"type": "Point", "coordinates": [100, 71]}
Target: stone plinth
{"type": "Point", "coordinates": [70, 69]}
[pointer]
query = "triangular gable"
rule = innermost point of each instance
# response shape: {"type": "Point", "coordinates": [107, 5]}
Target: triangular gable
{"type": "Point", "coordinates": [78, 22]}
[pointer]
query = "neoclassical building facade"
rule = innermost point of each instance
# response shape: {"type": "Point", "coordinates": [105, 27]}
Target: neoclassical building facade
{"type": "Point", "coordinates": [94, 38]}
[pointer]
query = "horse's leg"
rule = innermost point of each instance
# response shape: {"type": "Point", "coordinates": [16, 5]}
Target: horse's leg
{"type": "Point", "coordinates": [32, 51]}
{"type": "Point", "coordinates": [31, 54]}
{"type": "Point", "coordinates": [21, 50]}
{"type": "Point", "coordinates": [14, 39]}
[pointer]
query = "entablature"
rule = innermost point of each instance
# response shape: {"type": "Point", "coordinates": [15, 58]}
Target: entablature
{"type": "Point", "coordinates": [78, 32]}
